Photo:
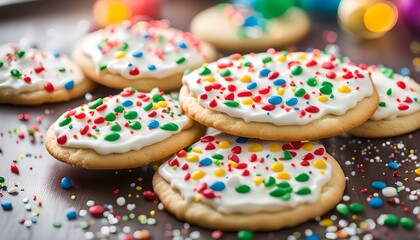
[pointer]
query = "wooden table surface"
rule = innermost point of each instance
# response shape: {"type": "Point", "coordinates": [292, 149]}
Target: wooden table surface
{"type": "Point", "coordinates": [56, 24]}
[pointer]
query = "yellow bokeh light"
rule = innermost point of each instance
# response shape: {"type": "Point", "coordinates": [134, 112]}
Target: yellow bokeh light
{"type": "Point", "coordinates": [380, 17]}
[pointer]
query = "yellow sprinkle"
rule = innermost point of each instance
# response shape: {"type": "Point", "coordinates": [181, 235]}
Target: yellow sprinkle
{"type": "Point", "coordinates": [344, 89]}
{"type": "Point", "coordinates": [326, 222]}
{"type": "Point", "coordinates": [162, 104]}
{"type": "Point", "coordinates": [283, 176]}
{"type": "Point", "coordinates": [308, 146]}
{"type": "Point", "coordinates": [275, 148]}
{"type": "Point", "coordinates": [280, 91]}
{"type": "Point", "coordinates": [417, 171]}
{"type": "Point", "coordinates": [209, 79]}
{"type": "Point", "coordinates": [248, 101]}
{"type": "Point", "coordinates": [293, 89]}
{"type": "Point", "coordinates": [73, 197]}
{"type": "Point", "coordinates": [97, 133]}
{"type": "Point", "coordinates": [302, 56]}
{"type": "Point", "coordinates": [363, 225]}
{"type": "Point", "coordinates": [232, 163]}
{"type": "Point", "coordinates": [198, 175]}
{"type": "Point", "coordinates": [322, 172]}
{"type": "Point", "coordinates": [416, 61]}
{"type": "Point", "coordinates": [197, 150]}
{"type": "Point", "coordinates": [21, 156]}
{"type": "Point", "coordinates": [277, 167]}
{"type": "Point", "coordinates": [35, 213]}
{"type": "Point", "coordinates": [224, 144]}
{"type": "Point", "coordinates": [152, 213]}
{"type": "Point", "coordinates": [323, 98]}
{"type": "Point", "coordinates": [258, 180]}
{"type": "Point", "coordinates": [320, 164]}
{"type": "Point", "coordinates": [119, 54]}
{"type": "Point", "coordinates": [245, 78]}
{"type": "Point", "coordinates": [256, 147]}
{"type": "Point", "coordinates": [129, 195]}
{"type": "Point", "coordinates": [220, 172]}
{"type": "Point", "coordinates": [138, 188]}
{"type": "Point", "coordinates": [155, 106]}
{"type": "Point", "coordinates": [281, 58]}
{"type": "Point", "coordinates": [192, 158]}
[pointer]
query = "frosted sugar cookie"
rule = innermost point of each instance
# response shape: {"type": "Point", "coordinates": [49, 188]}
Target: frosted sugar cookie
{"type": "Point", "coordinates": [232, 183]}
{"type": "Point", "coordinates": [33, 77]}
{"type": "Point", "coordinates": [127, 130]}
{"type": "Point", "coordinates": [238, 29]}
{"type": "Point", "coordinates": [399, 105]}
{"type": "Point", "coordinates": [142, 55]}
{"type": "Point", "coordinates": [280, 95]}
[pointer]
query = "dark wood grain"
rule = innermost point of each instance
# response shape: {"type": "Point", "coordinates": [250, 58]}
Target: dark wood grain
{"type": "Point", "coordinates": [363, 160]}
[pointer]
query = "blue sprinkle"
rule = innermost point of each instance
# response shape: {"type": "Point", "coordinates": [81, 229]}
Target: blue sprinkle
{"type": "Point", "coordinates": [34, 219]}
{"type": "Point", "coordinates": [56, 54]}
{"type": "Point", "coordinates": [404, 71]}
{"type": "Point", "coordinates": [71, 214]}
{"type": "Point", "coordinates": [250, 21]}
{"type": "Point", "coordinates": [151, 67]}
{"type": "Point", "coordinates": [393, 165]}
{"type": "Point", "coordinates": [275, 100]}
{"type": "Point", "coordinates": [312, 237]}
{"type": "Point", "coordinates": [127, 103]}
{"type": "Point", "coordinates": [6, 206]}
{"type": "Point", "coordinates": [137, 54]}
{"type": "Point", "coordinates": [218, 186]}
{"type": "Point", "coordinates": [182, 45]}
{"type": "Point", "coordinates": [291, 101]}
{"type": "Point", "coordinates": [69, 85]}
{"type": "Point", "coordinates": [66, 183]}
{"type": "Point", "coordinates": [376, 202]}
{"type": "Point", "coordinates": [146, 36]}
{"type": "Point", "coordinates": [251, 85]}
{"type": "Point", "coordinates": [264, 72]}
{"type": "Point", "coordinates": [153, 124]}
{"type": "Point", "coordinates": [129, 65]}
{"type": "Point", "coordinates": [378, 185]}
{"type": "Point", "coordinates": [241, 140]}
{"type": "Point", "coordinates": [279, 82]}
{"type": "Point", "coordinates": [206, 161]}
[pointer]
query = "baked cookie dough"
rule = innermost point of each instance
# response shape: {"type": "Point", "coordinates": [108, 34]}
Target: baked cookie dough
{"type": "Point", "coordinates": [280, 95]}
{"type": "Point", "coordinates": [128, 130]}
{"type": "Point", "coordinates": [143, 55]}
{"type": "Point", "coordinates": [233, 183]}
{"type": "Point", "coordinates": [399, 105]}
{"type": "Point", "coordinates": [238, 29]}
{"type": "Point", "coordinates": [33, 77]}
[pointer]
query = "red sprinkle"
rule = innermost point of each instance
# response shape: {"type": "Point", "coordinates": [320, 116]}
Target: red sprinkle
{"type": "Point", "coordinates": [401, 84]}
{"type": "Point", "coordinates": [96, 210]}
{"type": "Point", "coordinates": [348, 75]}
{"type": "Point", "coordinates": [49, 87]}
{"type": "Point", "coordinates": [134, 71]}
{"type": "Point", "coordinates": [62, 139]}
{"type": "Point", "coordinates": [312, 109]}
{"type": "Point", "coordinates": [327, 65]}
{"type": "Point", "coordinates": [311, 63]}
{"type": "Point", "coordinates": [403, 107]}
{"type": "Point", "coordinates": [149, 195]}
{"type": "Point", "coordinates": [14, 168]}
{"type": "Point", "coordinates": [269, 107]}
{"type": "Point", "coordinates": [330, 75]}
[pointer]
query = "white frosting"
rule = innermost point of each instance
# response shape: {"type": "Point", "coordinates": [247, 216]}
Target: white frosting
{"type": "Point", "coordinates": [160, 112]}
{"type": "Point", "coordinates": [245, 171]}
{"type": "Point", "coordinates": [153, 48]}
{"type": "Point", "coordinates": [397, 96]}
{"type": "Point", "coordinates": [29, 79]}
{"type": "Point", "coordinates": [245, 72]}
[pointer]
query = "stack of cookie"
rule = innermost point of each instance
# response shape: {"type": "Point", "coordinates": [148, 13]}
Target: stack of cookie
{"type": "Point", "coordinates": [261, 172]}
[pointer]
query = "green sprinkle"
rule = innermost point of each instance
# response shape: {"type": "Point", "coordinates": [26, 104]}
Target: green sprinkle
{"type": "Point", "coordinates": [94, 104]}
{"type": "Point", "coordinates": [148, 106]}
{"type": "Point", "coordinates": [283, 185]}
{"type": "Point", "coordinates": [382, 104]}
{"type": "Point", "coordinates": [19, 53]}
{"type": "Point", "coordinates": [242, 188]}
{"type": "Point", "coordinates": [247, 64]}
{"type": "Point", "coordinates": [388, 72]}
{"type": "Point", "coordinates": [303, 191]}
{"type": "Point", "coordinates": [1, 64]}
{"type": "Point", "coordinates": [267, 60]}
{"type": "Point", "coordinates": [278, 192]}
{"type": "Point", "coordinates": [64, 122]}
{"type": "Point", "coordinates": [269, 181]}
{"type": "Point", "coordinates": [327, 84]}
{"type": "Point", "coordinates": [312, 82]}
{"type": "Point", "coordinates": [102, 67]}
{"type": "Point", "coordinates": [300, 92]}
{"type": "Point", "coordinates": [180, 60]}
{"type": "Point", "coordinates": [123, 46]}
{"type": "Point", "coordinates": [407, 223]}
{"type": "Point", "coordinates": [356, 208]}
{"type": "Point", "coordinates": [187, 71]}
{"type": "Point", "coordinates": [232, 104]}
{"type": "Point", "coordinates": [217, 156]}
{"type": "Point", "coordinates": [130, 115]}
{"type": "Point", "coordinates": [15, 73]}
{"type": "Point", "coordinates": [302, 177]}
{"type": "Point", "coordinates": [342, 209]}
{"type": "Point", "coordinates": [296, 70]}
{"type": "Point", "coordinates": [115, 128]}
{"type": "Point", "coordinates": [245, 235]}
{"type": "Point", "coordinates": [287, 155]}
{"type": "Point", "coordinates": [119, 109]}
{"type": "Point", "coordinates": [62, 69]}
{"type": "Point", "coordinates": [56, 224]}
{"type": "Point", "coordinates": [391, 220]}
{"type": "Point", "coordinates": [84, 225]}
{"type": "Point", "coordinates": [135, 125]}
{"type": "Point", "coordinates": [169, 127]}
{"type": "Point", "coordinates": [110, 117]}
{"type": "Point", "coordinates": [389, 92]}
{"type": "Point", "coordinates": [2, 180]}
{"type": "Point", "coordinates": [204, 71]}
{"type": "Point", "coordinates": [112, 137]}
{"type": "Point", "coordinates": [157, 98]}
{"type": "Point", "coordinates": [225, 73]}
{"type": "Point", "coordinates": [326, 90]}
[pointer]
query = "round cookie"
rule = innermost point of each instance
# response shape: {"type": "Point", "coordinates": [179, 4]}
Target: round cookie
{"type": "Point", "coordinates": [233, 183]}
{"type": "Point", "coordinates": [237, 29]}
{"type": "Point", "coordinates": [280, 95]}
{"type": "Point", "coordinates": [143, 55]}
{"type": "Point", "coordinates": [33, 77]}
{"type": "Point", "coordinates": [399, 106]}
{"type": "Point", "coordinates": [128, 130]}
